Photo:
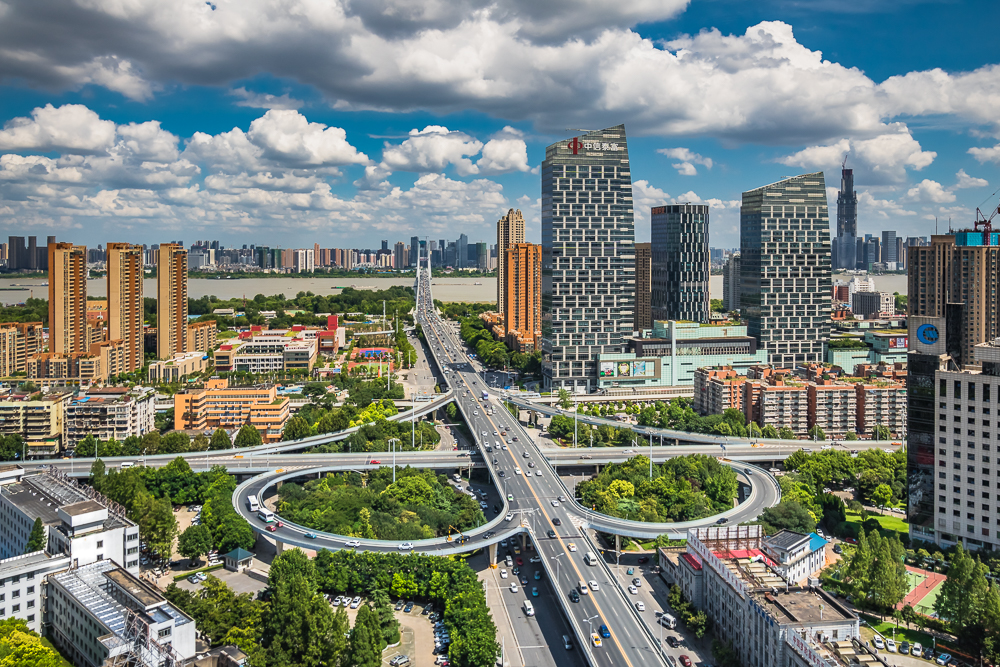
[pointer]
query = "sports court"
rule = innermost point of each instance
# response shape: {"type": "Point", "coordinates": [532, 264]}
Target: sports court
{"type": "Point", "coordinates": [924, 589]}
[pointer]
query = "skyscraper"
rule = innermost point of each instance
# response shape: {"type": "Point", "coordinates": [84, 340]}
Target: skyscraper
{"type": "Point", "coordinates": [125, 304]}
{"type": "Point", "coordinates": [889, 247]}
{"type": "Point", "coordinates": [399, 255]}
{"type": "Point", "coordinates": [680, 262]}
{"type": "Point", "coordinates": [482, 256]}
{"type": "Point", "coordinates": [510, 230]}
{"type": "Point", "coordinates": [844, 247]}
{"type": "Point", "coordinates": [414, 250]}
{"type": "Point", "coordinates": [522, 316]}
{"type": "Point", "coordinates": [731, 283]}
{"type": "Point", "coordinates": [463, 251]}
{"type": "Point", "coordinates": [785, 274]}
{"type": "Point", "coordinates": [643, 315]}
{"type": "Point", "coordinates": [171, 300]}
{"type": "Point", "coordinates": [68, 298]}
{"type": "Point", "coordinates": [16, 253]}
{"type": "Point", "coordinates": [588, 256]}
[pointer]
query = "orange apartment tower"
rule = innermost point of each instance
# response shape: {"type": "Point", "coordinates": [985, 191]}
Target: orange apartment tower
{"type": "Point", "coordinates": [510, 231]}
{"type": "Point", "coordinates": [522, 315]}
{"type": "Point", "coordinates": [125, 305]}
{"type": "Point", "coordinates": [68, 298]}
{"type": "Point", "coordinates": [171, 300]}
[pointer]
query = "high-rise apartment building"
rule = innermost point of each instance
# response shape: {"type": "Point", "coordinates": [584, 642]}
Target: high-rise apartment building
{"type": "Point", "coordinates": [785, 274]}
{"type": "Point", "coordinates": [643, 317]}
{"type": "Point", "coordinates": [68, 299]}
{"type": "Point", "coordinates": [731, 283]}
{"type": "Point", "coordinates": [844, 248]}
{"type": "Point", "coordinates": [482, 256]}
{"type": "Point", "coordinates": [510, 231]}
{"type": "Point", "coordinates": [463, 251]}
{"type": "Point", "coordinates": [588, 256]}
{"type": "Point", "coordinates": [171, 300]}
{"type": "Point", "coordinates": [958, 269]}
{"type": "Point", "coordinates": [125, 300]}
{"type": "Point", "coordinates": [414, 250]}
{"type": "Point", "coordinates": [399, 255]}
{"type": "Point", "coordinates": [522, 316]}
{"type": "Point", "coordinates": [680, 262]}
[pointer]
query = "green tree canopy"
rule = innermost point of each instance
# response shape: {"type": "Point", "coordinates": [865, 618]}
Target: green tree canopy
{"type": "Point", "coordinates": [36, 540]}
{"type": "Point", "coordinates": [248, 436]}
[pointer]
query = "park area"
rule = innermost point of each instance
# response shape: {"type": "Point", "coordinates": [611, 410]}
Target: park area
{"type": "Point", "coordinates": [924, 589]}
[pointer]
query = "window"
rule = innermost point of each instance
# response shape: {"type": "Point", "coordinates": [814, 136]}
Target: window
{"type": "Point", "coordinates": [31, 617]}
{"type": "Point", "coordinates": [30, 591]}
{"type": "Point", "coordinates": [16, 594]}
{"type": "Point", "coordinates": [31, 604]}
{"type": "Point", "coordinates": [16, 608]}
{"type": "Point", "coordinates": [164, 632]}
{"type": "Point", "coordinates": [100, 544]}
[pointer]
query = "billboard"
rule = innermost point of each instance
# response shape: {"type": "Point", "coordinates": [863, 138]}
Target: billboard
{"type": "Point", "coordinates": [898, 343]}
{"type": "Point", "coordinates": [625, 369]}
{"type": "Point", "coordinates": [927, 335]}
{"type": "Point", "coordinates": [607, 369]}
{"type": "Point", "coordinates": [642, 369]}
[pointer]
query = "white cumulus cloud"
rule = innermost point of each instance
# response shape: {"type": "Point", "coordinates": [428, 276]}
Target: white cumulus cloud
{"type": "Point", "coordinates": [286, 135]}
{"type": "Point", "coordinates": [264, 100]}
{"type": "Point", "coordinates": [991, 154]}
{"type": "Point", "coordinates": [966, 181]}
{"type": "Point", "coordinates": [505, 152]}
{"type": "Point", "coordinates": [69, 128]}
{"type": "Point", "coordinates": [432, 149]}
{"type": "Point", "coordinates": [687, 158]}
{"type": "Point", "coordinates": [931, 192]}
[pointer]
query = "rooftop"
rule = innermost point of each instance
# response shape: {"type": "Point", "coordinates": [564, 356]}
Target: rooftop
{"type": "Point", "coordinates": [146, 595]}
{"type": "Point", "coordinates": [84, 507]}
{"type": "Point", "coordinates": [786, 539]}
{"type": "Point", "coordinates": [803, 606]}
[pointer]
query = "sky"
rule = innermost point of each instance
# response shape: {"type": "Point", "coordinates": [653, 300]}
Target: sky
{"type": "Point", "coordinates": [345, 122]}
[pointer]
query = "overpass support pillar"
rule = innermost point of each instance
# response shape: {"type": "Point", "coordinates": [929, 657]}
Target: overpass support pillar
{"type": "Point", "coordinates": [279, 485]}
{"type": "Point", "coordinates": [524, 541]}
{"type": "Point", "coordinates": [279, 547]}
{"type": "Point", "coordinates": [618, 545]}
{"type": "Point", "coordinates": [493, 554]}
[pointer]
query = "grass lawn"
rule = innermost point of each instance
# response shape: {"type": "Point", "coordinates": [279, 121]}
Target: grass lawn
{"type": "Point", "coordinates": [887, 523]}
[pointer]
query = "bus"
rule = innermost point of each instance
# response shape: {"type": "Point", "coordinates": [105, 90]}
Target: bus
{"type": "Point", "coordinates": [252, 502]}
{"type": "Point", "coordinates": [486, 395]}
{"type": "Point", "coordinates": [266, 515]}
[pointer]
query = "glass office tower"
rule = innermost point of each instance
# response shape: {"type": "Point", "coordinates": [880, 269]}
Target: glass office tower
{"type": "Point", "coordinates": [680, 262]}
{"type": "Point", "coordinates": [786, 281]}
{"type": "Point", "coordinates": [588, 256]}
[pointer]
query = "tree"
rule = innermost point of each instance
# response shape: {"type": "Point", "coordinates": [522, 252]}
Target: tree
{"type": "Point", "coordinates": [220, 440]}
{"type": "Point", "coordinates": [882, 496]}
{"type": "Point", "coordinates": [788, 515]}
{"type": "Point", "coordinates": [195, 541]}
{"type": "Point", "coordinates": [296, 429]}
{"type": "Point", "coordinates": [786, 433]}
{"type": "Point", "coordinates": [850, 435]}
{"type": "Point", "coordinates": [365, 646]}
{"type": "Point", "coordinates": [881, 432]}
{"type": "Point", "coordinates": [817, 432]}
{"type": "Point", "coordinates": [199, 443]}
{"type": "Point", "coordinates": [248, 436]}
{"type": "Point", "coordinates": [36, 540]}
{"type": "Point", "coordinates": [386, 616]}
{"type": "Point", "coordinates": [157, 523]}
{"type": "Point", "coordinates": [21, 646]}
{"type": "Point", "coordinates": [564, 398]}
{"type": "Point", "coordinates": [769, 432]}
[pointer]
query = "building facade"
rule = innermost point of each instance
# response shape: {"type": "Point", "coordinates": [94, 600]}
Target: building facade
{"type": "Point", "coordinates": [731, 283]}
{"type": "Point", "coordinates": [510, 231]}
{"type": "Point", "coordinates": [68, 299]}
{"type": "Point", "coordinates": [844, 247]}
{"type": "Point", "coordinates": [40, 422]}
{"type": "Point", "coordinates": [643, 287]}
{"type": "Point", "coordinates": [220, 406]}
{"type": "Point", "coordinates": [680, 262]}
{"type": "Point", "coordinates": [786, 279]}
{"type": "Point", "coordinates": [588, 256]}
{"type": "Point", "coordinates": [171, 300]}
{"type": "Point", "coordinates": [522, 314]}
{"type": "Point", "coordinates": [177, 367]}
{"type": "Point", "coordinates": [717, 389]}
{"type": "Point", "coordinates": [202, 336]}
{"type": "Point", "coordinates": [109, 413]}
{"type": "Point", "coordinates": [125, 301]}
{"type": "Point", "coordinates": [18, 342]}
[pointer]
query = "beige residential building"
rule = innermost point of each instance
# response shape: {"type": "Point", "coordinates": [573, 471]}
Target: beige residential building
{"type": "Point", "coordinates": [510, 231]}
{"type": "Point", "coordinates": [202, 336]}
{"type": "Point", "coordinates": [881, 404]}
{"type": "Point", "coordinates": [784, 404]}
{"type": "Point", "coordinates": [171, 300]}
{"type": "Point", "coordinates": [125, 304]}
{"type": "Point", "coordinates": [833, 407]}
{"type": "Point", "coordinates": [40, 422]}
{"type": "Point", "coordinates": [18, 341]}
{"type": "Point", "coordinates": [177, 367]}
{"type": "Point", "coordinates": [717, 390]}
{"type": "Point", "coordinates": [68, 298]}
{"type": "Point", "coordinates": [522, 314]}
{"type": "Point", "coordinates": [218, 405]}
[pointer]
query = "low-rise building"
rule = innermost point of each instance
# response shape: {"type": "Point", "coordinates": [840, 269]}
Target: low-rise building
{"type": "Point", "coordinates": [38, 418]}
{"type": "Point", "coordinates": [102, 614]}
{"type": "Point", "coordinates": [22, 585]}
{"type": "Point", "coordinates": [674, 351]}
{"type": "Point", "coordinates": [266, 354]}
{"type": "Point", "coordinates": [768, 621]}
{"type": "Point", "coordinates": [109, 412]}
{"type": "Point", "coordinates": [881, 403]}
{"type": "Point", "coordinates": [717, 389]}
{"type": "Point", "coordinates": [218, 405]}
{"type": "Point", "coordinates": [833, 406]}
{"type": "Point", "coordinates": [178, 367]}
{"type": "Point", "coordinates": [105, 359]}
{"type": "Point", "coordinates": [79, 522]}
{"type": "Point", "coordinates": [795, 556]}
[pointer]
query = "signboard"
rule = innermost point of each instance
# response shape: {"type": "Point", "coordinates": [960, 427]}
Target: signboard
{"type": "Point", "coordinates": [625, 369]}
{"type": "Point", "coordinates": [927, 335]}
{"type": "Point", "coordinates": [642, 369]}
{"type": "Point", "coordinates": [805, 650]}
{"type": "Point", "coordinates": [898, 343]}
{"type": "Point", "coordinates": [607, 369]}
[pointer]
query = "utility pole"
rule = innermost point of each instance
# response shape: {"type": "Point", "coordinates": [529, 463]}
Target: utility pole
{"type": "Point", "coordinates": [394, 442]}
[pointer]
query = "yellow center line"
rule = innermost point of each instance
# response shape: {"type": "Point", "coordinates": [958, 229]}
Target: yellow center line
{"type": "Point", "coordinates": [541, 507]}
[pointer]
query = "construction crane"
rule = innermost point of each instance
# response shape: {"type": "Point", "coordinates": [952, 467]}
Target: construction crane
{"type": "Point", "coordinates": [986, 224]}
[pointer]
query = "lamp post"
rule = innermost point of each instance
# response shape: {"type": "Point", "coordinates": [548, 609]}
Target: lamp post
{"type": "Point", "coordinates": [556, 559]}
{"type": "Point", "coordinates": [576, 411]}
{"type": "Point", "coordinates": [393, 442]}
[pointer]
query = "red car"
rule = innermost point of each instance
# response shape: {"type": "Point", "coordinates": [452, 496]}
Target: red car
{"type": "Point", "coordinates": [520, 561]}
{"type": "Point", "coordinates": [376, 462]}
{"type": "Point", "coordinates": [271, 527]}
{"type": "Point", "coordinates": [643, 559]}
{"type": "Point", "coordinates": [686, 661]}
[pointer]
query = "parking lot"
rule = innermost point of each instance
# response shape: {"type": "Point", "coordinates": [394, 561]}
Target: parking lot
{"type": "Point", "coordinates": [240, 582]}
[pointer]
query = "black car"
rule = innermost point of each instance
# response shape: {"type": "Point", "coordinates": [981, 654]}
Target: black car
{"type": "Point", "coordinates": [574, 596]}
{"type": "Point", "coordinates": [672, 642]}
{"type": "Point", "coordinates": [426, 611]}
{"type": "Point", "coordinates": [408, 608]}
{"type": "Point", "coordinates": [502, 474]}
{"type": "Point", "coordinates": [556, 521]}
{"type": "Point", "coordinates": [552, 534]}
{"type": "Point", "coordinates": [643, 559]}
{"type": "Point", "coordinates": [722, 520]}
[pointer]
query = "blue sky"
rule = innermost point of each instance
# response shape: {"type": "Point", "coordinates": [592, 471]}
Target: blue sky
{"type": "Point", "coordinates": [346, 122]}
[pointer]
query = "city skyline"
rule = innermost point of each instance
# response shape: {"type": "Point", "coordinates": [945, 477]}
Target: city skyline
{"type": "Point", "coordinates": [135, 143]}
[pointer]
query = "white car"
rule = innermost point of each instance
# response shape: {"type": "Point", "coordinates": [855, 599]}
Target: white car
{"type": "Point", "coordinates": [633, 590]}
{"type": "Point", "coordinates": [640, 606]}
{"type": "Point", "coordinates": [353, 544]}
{"type": "Point", "coordinates": [510, 515]}
{"type": "Point", "coordinates": [535, 559]}
{"type": "Point", "coordinates": [593, 585]}
{"type": "Point", "coordinates": [916, 649]}
{"type": "Point", "coordinates": [517, 471]}
{"type": "Point", "coordinates": [555, 503]}
{"type": "Point", "coordinates": [538, 473]}
{"type": "Point", "coordinates": [890, 646]}
{"type": "Point", "coordinates": [503, 574]}
{"type": "Point", "coordinates": [513, 587]}
{"type": "Point", "coordinates": [879, 644]}
{"type": "Point", "coordinates": [571, 546]}
{"type": "Point", "coordinates": [406, 546]}
{"type": "Point", "coordinates": [356, 602]}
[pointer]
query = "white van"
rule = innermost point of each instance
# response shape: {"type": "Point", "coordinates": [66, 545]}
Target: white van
{"type": "Point", "coordinates": [590, 558]}
{"type": "Point", "coordinates": [126, 464]}
{"type": "Point", "coordinates": [583, 588]}
{"type": "Point", "coordinates": [529, 610]}
{"type": "Point", "coordinates": [509, 561]}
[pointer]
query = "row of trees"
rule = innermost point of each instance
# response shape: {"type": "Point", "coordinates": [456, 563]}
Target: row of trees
{"type": "Point", "coordinates": [880, 477]}
{"type": "Point", "coordinates": [696, 621]}
{"type": "Point", "coordinates": [876, 572]}
{"type": "Point", "coordinates": [681, 489]}
{"type": "Point", "coordinates": [970, 603]}
{"type": "Point", "coordinates": [297, 626]}
{"type": "Point", "coordinates": [174, 442]}
{"type": "Point", "coordinates": [147, 494]}
{"type": "Point", "coordinates": [418, 505]}
{"type": "Point", "coordinates": [491, 352]}
{"type": "Point", "coordinates": [20, 645]}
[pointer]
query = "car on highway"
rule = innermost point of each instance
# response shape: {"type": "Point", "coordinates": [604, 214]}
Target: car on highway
{"type": "Point", "coordinates": [271, 527]}
{"type": "Point", "coordinates": [538, 575]}
{"type": "Point", "coordinates": [538, 473]}
{"type": "Point", "coordinates": [353, 544]}
{"type": "Point", "coordinates": [640, 606]}
{"type": "Point", "coordinates": [513, 587]}
{"type": "Point", "coordinates": [685, 661]}
{"type": "Point", "coordinates": [672, 642]}
{"type": "Point", "coordinates": [555, 503]}
{"type": "Point", "coordinates": [503, 574]}
{"type": "Point", "coordinates": [637, 582]}
{"type": "Point", "coordinates": [534, 591]}
{"type": "Point", "coordinates": [593, 585]}
{"type": "Point", "coordinates": [376, 462]}
{"type": "Point", "coordinates": [510, 515]}
{"type": "Point", "coordinates": [562, 499]}
{"type": "Point", "coordinates": [722, 520]}
{"type": "Point", "coordinates": [510, 496]}
{"type": "Point", "coordinates": [311, 536]}
{"type": "Point", "coordinates": [574, 596]}
{"type": "Point", "coordinates": [633, 590]}
{"type": "Point", "coordinates": [556, 521]}
{"type": "Point", "coordinates": [552, 534]}
{"type": "Point", "coordinates": [571, 546]}
{"type": "Point", "coordinates": [406, 546]}
{"type": "Point", "coordinates": [595, 639]}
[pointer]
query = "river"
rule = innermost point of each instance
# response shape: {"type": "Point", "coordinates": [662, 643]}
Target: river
{"type": "Point", "coordinates": [445, 289]}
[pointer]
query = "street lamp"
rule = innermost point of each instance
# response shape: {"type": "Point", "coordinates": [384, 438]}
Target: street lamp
{"type": "Point", "coordinates": [393, 442]}
{"type": "Point", "coordinates": [556, 559]}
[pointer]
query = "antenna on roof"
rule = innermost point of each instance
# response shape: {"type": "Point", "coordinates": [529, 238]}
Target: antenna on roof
{"type": "Point", "coordinates": [578, 129]}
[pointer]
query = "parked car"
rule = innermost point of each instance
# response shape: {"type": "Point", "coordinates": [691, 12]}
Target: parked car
{"type": "Point", "coordinates": [943, 659]}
